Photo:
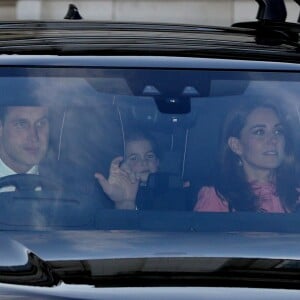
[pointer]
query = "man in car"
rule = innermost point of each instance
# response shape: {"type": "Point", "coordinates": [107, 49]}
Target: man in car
{"type": "Point", "coordinates": [24, 137]}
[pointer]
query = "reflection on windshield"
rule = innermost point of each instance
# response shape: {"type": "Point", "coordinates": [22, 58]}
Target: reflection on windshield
{"type": "Point", "coordinates": [77, 142]}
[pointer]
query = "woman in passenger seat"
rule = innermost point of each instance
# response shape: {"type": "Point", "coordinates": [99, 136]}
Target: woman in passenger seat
{"type": "Point", "coordinates": [257, 163]}
{"type": "Point", "coordinates": [128, 173]}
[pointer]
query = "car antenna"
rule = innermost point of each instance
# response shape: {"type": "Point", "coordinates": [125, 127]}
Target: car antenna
{"type": "Point", "coordinates": [73, 13]}
{"type": "Point", "coordinates": [298, 2]}
{"type": "Point", "coordinates": [271, 27]}
{"type": "Point", "coordinates": [271, 10]}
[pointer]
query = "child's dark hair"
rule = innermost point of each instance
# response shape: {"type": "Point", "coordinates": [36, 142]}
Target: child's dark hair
{"type": "Point", "coordinates": [138, 135]}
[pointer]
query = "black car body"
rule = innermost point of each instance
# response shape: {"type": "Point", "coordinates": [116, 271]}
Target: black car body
{"type": "Point", "coordinates": [100, 80]}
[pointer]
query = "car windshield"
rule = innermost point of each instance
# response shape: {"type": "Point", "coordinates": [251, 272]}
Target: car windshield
{"type": "Point", "coordinates": [145, 148]}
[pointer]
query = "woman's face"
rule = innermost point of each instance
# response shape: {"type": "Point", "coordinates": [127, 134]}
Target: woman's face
{"type": "Point", "coordinates": [261, 144]}
{"type": "Point", "coordinates": [141, 159]}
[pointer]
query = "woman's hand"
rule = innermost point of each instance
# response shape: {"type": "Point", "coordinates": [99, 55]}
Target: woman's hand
{"type": "Point", "coordinates": [121, 186]}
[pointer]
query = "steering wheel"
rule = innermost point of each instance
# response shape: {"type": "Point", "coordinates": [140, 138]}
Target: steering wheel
{"type": "Point", "coordinates": [29, 182]}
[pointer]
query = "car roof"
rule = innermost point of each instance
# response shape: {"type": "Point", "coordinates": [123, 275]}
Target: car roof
{"type": "Point", "coordinates": [272, 42]}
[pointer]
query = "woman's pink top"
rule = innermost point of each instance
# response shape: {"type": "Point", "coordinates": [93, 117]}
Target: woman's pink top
{"type": "Point", "coordinates": [209, 201]}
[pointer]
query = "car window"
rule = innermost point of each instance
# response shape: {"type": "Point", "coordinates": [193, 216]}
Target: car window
{"type": "Point", "coordinates": [130, 148]}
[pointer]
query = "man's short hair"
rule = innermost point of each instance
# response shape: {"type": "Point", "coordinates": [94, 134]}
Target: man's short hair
{"type": "Point", "coordinates": [3, 113]}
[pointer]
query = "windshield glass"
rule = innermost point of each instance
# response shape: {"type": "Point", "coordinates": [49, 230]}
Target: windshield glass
{"type": "Point", "coordinates": [163, 149]}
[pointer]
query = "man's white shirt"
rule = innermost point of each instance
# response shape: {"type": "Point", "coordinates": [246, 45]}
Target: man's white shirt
{"type": "Point", "coordinates": [6, 171]}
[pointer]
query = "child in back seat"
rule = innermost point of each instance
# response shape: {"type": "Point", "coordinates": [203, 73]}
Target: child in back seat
{"type": "Point", "coordinates": [127, 174]}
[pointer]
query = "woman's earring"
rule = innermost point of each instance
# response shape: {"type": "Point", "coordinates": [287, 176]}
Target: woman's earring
{"type": "Point", "coordinates": [240, 163]}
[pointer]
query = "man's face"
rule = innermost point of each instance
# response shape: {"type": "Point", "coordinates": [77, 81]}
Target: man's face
{"type": "Point", "coordinates": [24, 135]}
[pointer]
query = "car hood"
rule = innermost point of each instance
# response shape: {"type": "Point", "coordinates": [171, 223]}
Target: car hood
{"type": "Point", "coordinates": [107, 244]}
{"type": "Point", "coordinates": [134, 258]}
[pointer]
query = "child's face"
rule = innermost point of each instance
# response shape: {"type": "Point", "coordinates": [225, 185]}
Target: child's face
{"type": "Point", "coordinates": [141, 159]}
